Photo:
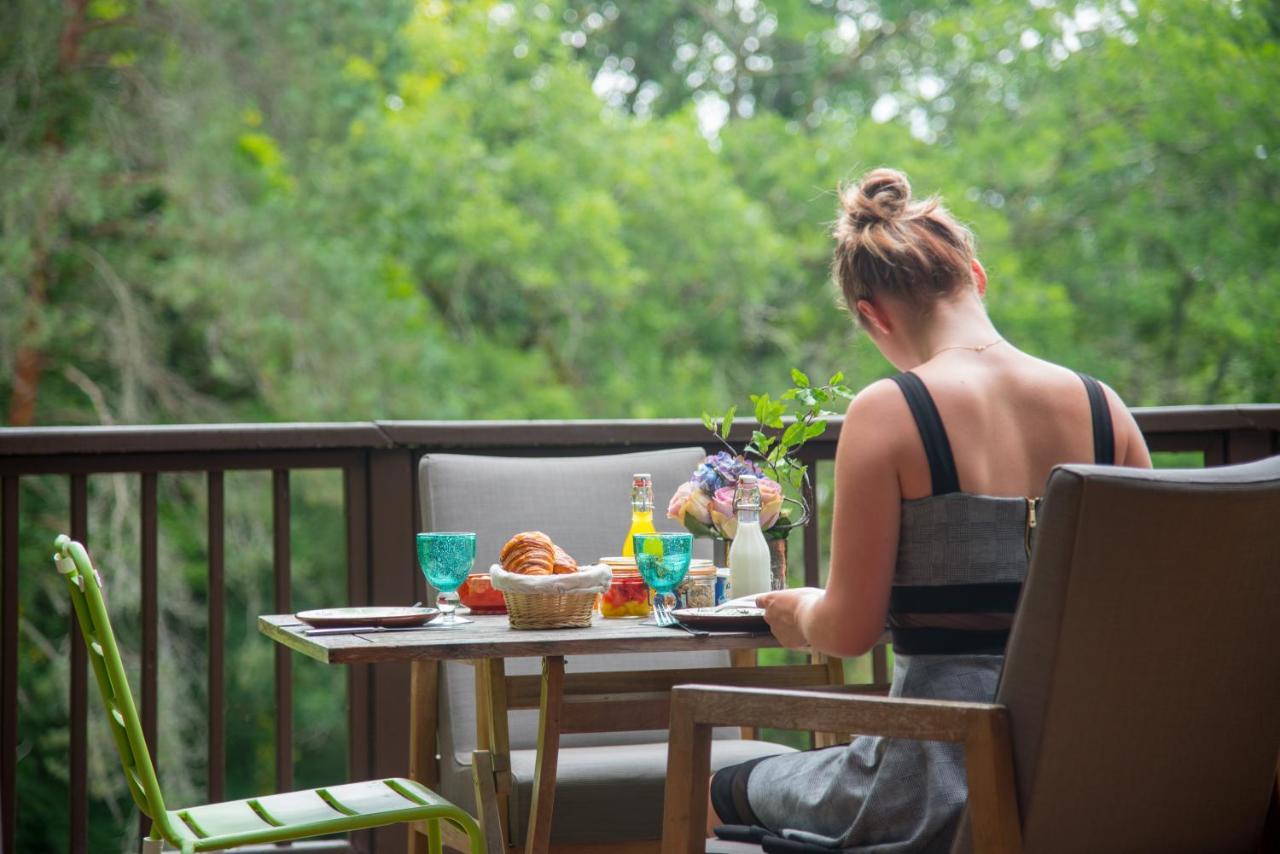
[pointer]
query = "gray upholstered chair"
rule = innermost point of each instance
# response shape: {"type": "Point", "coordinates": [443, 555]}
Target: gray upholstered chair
{"type": "Point", "coordinates": [1139, 708]}
{"type": "Point", "coordinates": [609, 785]}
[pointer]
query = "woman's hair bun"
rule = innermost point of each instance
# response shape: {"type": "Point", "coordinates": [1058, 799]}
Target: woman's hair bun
{"type": "Point", "coordinates": [890, 245]}
{"type": "Point", "coordinates": [882, 195]}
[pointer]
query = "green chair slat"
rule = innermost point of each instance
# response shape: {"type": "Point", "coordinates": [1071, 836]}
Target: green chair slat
{"type": "Point", "coordinates": [331, 801]}
{"type": "Point", "coordinates": [224, 819]}
{"type": "Point", "coordinates": [413, 790]}
{"type": "Point", "coordinates": [373, 796]}
{"type": "Point", "coordinates": [298, 808]}
{"type": "Point", "coordinates": [213, 827]}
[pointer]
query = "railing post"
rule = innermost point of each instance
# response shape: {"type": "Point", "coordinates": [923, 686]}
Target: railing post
{"type": "Point", "coordinates": [812, 534]}
{"type": "Point", "coordinates": [216, 752]}
{"type": "Point", "coordinates": [282, 574]}
{"type": "Point", "coordinates": [392, 575]}
{"type": "Point", "coordinates": [1243, 446]}
{"type": "Point", "coordinates": [150, 658]}
{"type": "Point", "coordinates": [79, 689]}
{"type": "Point", "coordinates": [8, 660]}
{"type": "Point", "coordinates": [355, 495]}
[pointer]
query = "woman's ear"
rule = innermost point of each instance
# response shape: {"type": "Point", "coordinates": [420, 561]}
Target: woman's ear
{"type": "Point", "coordinates": [980, 277]}
{"type": "Point", "coordinates": [872, 314]}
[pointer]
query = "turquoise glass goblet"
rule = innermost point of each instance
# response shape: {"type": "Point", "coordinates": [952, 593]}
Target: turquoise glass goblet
{"type": "Point", "coordinates": [446, 558]}
{"type": "Point", "coordinates": [663, 561]}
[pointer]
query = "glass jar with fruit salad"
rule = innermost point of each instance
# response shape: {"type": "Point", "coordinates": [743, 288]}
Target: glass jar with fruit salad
{"type": "Point", "coordinates": [628, 596]}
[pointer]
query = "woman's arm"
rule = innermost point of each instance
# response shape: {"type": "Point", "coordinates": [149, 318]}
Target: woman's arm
{"type": "Point", "coordinates": [849, 616]}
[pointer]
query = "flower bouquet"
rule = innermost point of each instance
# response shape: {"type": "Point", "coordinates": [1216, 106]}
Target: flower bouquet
{"type": "Point", "coordinates": [704, 504]}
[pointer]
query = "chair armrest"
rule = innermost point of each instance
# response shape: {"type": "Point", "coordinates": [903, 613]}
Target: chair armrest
{"type": "Point", "coordinates": [830, 711]}
{"type": "Point", "coordinates": [981, 727]}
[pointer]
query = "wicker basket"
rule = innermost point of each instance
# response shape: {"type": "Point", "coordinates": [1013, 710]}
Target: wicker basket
{"type": "Point", "coordinates": [550, 610]}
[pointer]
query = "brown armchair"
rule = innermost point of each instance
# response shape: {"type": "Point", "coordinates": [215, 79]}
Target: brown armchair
{"type": "Point", "coordinates": [1139, 708]}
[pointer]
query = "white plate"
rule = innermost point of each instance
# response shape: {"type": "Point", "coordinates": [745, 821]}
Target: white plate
{"type": "Point", "coordinates": [367, 616]}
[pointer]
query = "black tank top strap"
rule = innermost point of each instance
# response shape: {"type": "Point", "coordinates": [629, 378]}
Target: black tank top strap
{"type": "Point", "coordinates": [1104, 440]}
{"type": "Point", "coordinates": [937, 448]}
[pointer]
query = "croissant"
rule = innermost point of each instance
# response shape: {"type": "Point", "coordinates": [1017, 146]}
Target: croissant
{"type": "Point", "coordinates": [528, 553]}
{"type": "Point", "coordinates": [563, 563]}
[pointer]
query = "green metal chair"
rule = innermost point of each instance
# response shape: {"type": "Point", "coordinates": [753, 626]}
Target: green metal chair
{"type": "Point", "coordinates": [274, 818]}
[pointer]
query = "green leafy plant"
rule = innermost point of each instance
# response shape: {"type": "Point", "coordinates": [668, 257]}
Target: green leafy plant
{"type": "Point", "coordinates": [784, 425]}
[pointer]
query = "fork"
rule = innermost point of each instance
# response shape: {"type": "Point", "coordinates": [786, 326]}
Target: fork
{"type": "Point", "coordinates": [662, 616]}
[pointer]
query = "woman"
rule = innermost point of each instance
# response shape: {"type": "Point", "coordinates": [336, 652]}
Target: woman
{"type": "Point", "coordinates": [936, 476]}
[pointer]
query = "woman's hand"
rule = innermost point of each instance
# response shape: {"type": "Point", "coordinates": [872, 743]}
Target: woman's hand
{"type": "Point", "coordinates": [783, 610]}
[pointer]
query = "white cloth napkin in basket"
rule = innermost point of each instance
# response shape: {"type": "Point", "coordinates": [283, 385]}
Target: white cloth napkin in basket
{"type": "Point", "coordinates": [588, 579]}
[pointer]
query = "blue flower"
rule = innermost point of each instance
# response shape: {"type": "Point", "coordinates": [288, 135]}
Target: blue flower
{"type": "Point", "coordinates": [720, 470]}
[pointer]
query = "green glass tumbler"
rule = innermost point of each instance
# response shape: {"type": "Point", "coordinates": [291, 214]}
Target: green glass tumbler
{"type": "Point", "coordinates": [663, 561]}
{"type": "Point", "coordinates": [446, 558]}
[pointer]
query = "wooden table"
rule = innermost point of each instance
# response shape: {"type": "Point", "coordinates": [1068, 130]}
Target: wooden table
{"type": "Point", "coordinates": [579, 702]}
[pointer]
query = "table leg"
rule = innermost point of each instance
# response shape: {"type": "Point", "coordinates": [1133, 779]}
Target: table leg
{"type": "Point", "coordinates": [424, 675]}
{"type": "Point", "coordinates": [538, 835]}
{"type": "Point", "coordinates": [744, 658]}
{"type": "Point", "coordinates": [492, 732]}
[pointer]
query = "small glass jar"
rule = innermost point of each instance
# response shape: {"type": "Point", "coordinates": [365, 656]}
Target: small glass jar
{"type": "Point", "coordinates": [628, 597]}
{"type": "Point", "coordinates": [698, 590]}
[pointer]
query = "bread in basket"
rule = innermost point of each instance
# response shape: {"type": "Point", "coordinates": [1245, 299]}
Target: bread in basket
{"type": "Point", "coordinates": [544, 587]}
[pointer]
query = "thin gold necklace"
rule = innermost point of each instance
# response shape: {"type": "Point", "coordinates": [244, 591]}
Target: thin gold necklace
{"type": "Point", "coordinates": [977, 349]}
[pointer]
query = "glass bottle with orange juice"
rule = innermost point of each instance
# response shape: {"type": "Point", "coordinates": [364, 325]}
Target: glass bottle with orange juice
{"type": "Point", "coordinates": [641, 511]}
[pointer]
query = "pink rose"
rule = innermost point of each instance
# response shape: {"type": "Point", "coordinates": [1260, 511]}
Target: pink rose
{"type": "Point", "coordinates": [690, 500]}
{"type": "Point", "coordinates": [722, 512]}
{"type": "Point", "coordinates": [678, 505]}
{"type": "Point", "coordinates": [770, 502]}
{"type": "Point", "coordinates": [699, 506]}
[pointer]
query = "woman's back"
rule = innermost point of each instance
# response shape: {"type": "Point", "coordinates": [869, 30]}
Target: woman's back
{"type": "Point", "coordinates": [1009, 418]}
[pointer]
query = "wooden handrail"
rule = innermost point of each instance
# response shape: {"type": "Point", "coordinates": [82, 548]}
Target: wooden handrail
{"type": "Point", "coordinates": [507, 435]}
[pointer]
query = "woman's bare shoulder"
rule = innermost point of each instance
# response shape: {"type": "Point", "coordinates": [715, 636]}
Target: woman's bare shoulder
{"type": "Point", "coordinates": [880, 400]}
{"type": "Point", "coordinates": [877, 415]}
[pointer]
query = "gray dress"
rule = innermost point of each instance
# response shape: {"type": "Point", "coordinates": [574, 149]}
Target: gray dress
{"type": "Point", "coordinates": [890, 795]}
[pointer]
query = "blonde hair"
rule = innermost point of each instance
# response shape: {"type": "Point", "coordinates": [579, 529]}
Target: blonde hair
{"type": "Point", "coordinates": [886, 243]}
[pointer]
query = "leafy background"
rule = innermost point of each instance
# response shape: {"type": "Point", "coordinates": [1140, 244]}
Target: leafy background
{"type": "Point", "coordinates": [343, 210]}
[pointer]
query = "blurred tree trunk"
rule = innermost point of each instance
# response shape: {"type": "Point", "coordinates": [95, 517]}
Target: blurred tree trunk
{"type": "Point", "coordinates": [29, 359]}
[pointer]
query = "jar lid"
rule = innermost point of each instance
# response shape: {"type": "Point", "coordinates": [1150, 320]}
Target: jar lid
{"type": "Point", "coordinates": [707, 571]}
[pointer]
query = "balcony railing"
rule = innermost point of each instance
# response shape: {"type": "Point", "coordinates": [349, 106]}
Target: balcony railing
{"type": "Point", "coordinates": [378, 465]}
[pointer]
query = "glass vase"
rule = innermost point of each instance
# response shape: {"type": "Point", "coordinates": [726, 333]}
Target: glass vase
{"type": "Point", "coordinates": [777, 559]}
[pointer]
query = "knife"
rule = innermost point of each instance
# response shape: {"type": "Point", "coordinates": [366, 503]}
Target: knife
{"type": "Point", "coordinates": [364, 630]}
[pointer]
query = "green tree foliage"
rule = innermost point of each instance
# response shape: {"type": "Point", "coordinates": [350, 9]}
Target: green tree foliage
{"type": "Point", "coordinates": [353, 209]}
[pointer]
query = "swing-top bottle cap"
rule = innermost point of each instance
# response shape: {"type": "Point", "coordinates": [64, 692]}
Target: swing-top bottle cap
{"type": "Point", "coordinates": [747, 494]}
